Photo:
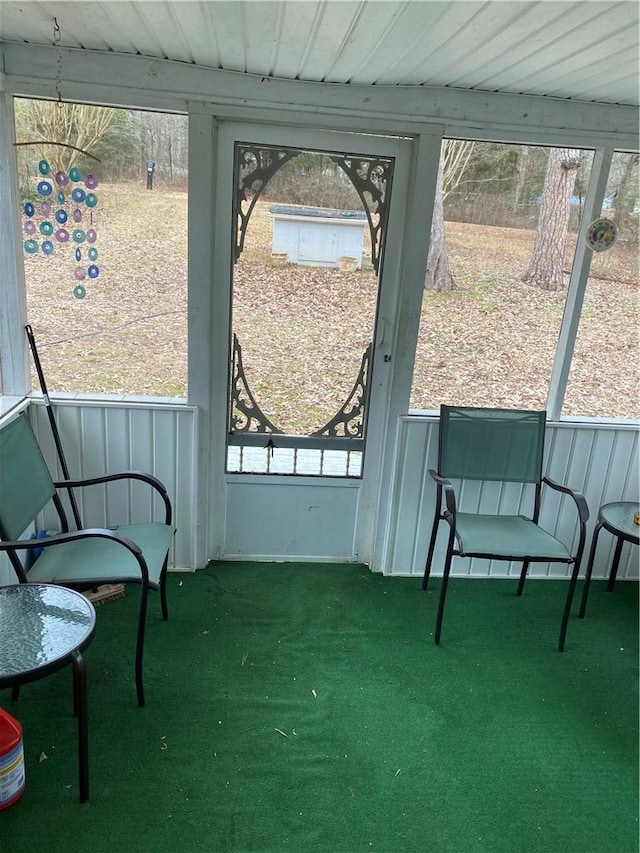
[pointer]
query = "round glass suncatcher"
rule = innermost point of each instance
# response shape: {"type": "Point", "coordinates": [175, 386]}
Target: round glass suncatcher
{"type": "Point", "coordinates": [601, 235]}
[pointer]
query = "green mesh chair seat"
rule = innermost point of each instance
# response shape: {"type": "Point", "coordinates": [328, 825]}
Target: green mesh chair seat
{"type": "Point", "coordinates": [95, 561]}
{"type": "Point", "coordinates": [85, 558]}
{"type": "Point", "coordinates": [507, 537]}
{"type": "Point", "coordinates": [503, 446]}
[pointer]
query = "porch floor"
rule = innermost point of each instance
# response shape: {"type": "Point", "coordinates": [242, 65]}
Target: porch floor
{"type": "Point", "coordinates": [295, 707]}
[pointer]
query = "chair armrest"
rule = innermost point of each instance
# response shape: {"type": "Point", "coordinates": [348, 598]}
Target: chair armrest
{"type": "Point", "coordinates": [89, 533]}
{"type": "Point", "coordinates": [449, 493]}
{"type": "Point", "coordinates": [578, 498]}
{"type": "Point", "coordinates": [124, 475]}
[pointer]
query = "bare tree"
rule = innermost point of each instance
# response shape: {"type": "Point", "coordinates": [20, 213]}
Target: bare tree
{"type": "Point", "coordinates": [454, 158]}
{"type": "Point", "coordinates": [163, 139]}
{"type": "Point", "coordinates": [75, 128]}
{"type": "Point", "coordinates": [439, 277]}
{"type": "Point", "coordinates": [545, 266]}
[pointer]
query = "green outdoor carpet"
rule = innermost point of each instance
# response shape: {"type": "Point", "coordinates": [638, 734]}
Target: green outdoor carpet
{"type": "Point", "coordinates": [297, 707]}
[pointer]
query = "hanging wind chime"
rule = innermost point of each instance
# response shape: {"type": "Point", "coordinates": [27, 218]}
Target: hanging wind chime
{"type": "Point", "coordinates": [61, 216]}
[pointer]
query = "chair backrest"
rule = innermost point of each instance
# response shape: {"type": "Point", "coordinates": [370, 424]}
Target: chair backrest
{"type": "Point", "coordinates": [504, 445]}
{"type": "Point", "coordinates": [25, 483]}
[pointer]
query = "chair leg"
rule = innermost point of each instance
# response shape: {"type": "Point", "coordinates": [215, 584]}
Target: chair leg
{"type": "Point", "coordinates": [163, 590]}
{"type": "Point", "coordinates": [567, 606]}
{"type": "Point", "coordinates": [587, 578]}
{"type": "Point", "coordinates": [523, 576]}
{"type": "Point", "coordinates": [76, 688]}
{"type": "Point", "coordinates": [142, 618]}
{"type": "Point", "coordinates": [443, 588]}
{"type": "Point", "coordinates": [614, 565]}
{"type": "Point", "coordinates": [80, 706]}
{"type": "Point", "coordinates": [432, 545]}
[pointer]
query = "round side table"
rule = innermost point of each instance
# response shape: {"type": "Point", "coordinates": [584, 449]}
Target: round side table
{"type": "Point", "coordinates": [617, 518]}
{"type": "Point", "coordinates": [43, 628]}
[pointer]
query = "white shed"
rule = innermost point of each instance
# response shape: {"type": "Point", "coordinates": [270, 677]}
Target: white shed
{"type": "Point", "coordinates": [318, 236]}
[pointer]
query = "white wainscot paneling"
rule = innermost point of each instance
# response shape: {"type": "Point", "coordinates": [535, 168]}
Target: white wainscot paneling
{"type": "Point", "coordinates": [159, 439]}
{"type": "Point", "coordinates": [599, 460]}
{"type": "Point", "coordinates": [321, 514]}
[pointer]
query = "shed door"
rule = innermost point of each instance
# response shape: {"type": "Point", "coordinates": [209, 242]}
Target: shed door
{"type": "Point", "coordinates": [307, 338]}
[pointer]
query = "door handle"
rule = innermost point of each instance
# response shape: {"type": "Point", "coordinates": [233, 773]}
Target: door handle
{"type": "Point", "coordinates": [382, 332]}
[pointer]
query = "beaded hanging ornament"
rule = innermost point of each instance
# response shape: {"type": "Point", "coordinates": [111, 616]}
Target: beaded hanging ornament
{"type": "Point", "coordinates": [60, 214]}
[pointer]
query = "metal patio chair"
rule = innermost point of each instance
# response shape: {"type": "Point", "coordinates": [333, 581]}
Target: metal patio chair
{"type": "Point", "coordinates": [88, 557]}
{"type": "Point", "coordinates": [503, 446]}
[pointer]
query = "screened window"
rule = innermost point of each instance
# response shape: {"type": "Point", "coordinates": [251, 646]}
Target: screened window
{"type": "Point", "coordinates": [103, 196]}
{"type": "Point", "coordinates": [605, 372]}
{"type": "Point", "coordinates": [504, 233]}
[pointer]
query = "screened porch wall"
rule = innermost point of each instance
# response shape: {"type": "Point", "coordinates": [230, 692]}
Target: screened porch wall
{"type": "Point", "coordinates": [601, 460]}
{"type": "Point", "coordinates": [174, 441]}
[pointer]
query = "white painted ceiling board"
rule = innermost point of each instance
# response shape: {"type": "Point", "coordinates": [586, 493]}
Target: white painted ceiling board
{"type": "Point", "coordinates": [30, 22]}
{"type": "Point", "coordinates": [404, 38]}
{"type": "Point", "coordinates": [572, 36]}
{"type": "Point", "coordinates": [523, 51]}
{"type": "Point", "coordinates": [524, 62]}
{"type": "Point", "coordinates": [595, 90]}
{"type": "Point", "coordinates": [204, 47]}
{"type": "Point", "coordinates": [165, 23]}
{"type": "Point", "coordinates": [570, 68]}
{"type": "Point", "coordinates": [446, 23]}
{"type": "Point", "coordinates": [367, 33]}
{"type": "Point", "coordinates": [335, 36]}
{"type": "Point", "coordinates": [300, 23]}
{"type": "Point", "coordinates": [481, 37]}
{"type": "Point", "coordinates": [527, 33]}
{"type": "Point", "coordinates": [126, 27]}
{"type": "Point", "coordinates": [262, 38]}
{"type": "Point", "coordinates": [227, 52]}
{"type": "Point", "coordinates": [121, 30]}
{"type": "Point", "coordinates": [539, 47]}
{"type": "Point", "coordinates": [587, 81]}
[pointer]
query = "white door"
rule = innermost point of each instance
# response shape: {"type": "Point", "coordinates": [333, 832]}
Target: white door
{"type": "Point", "coordinates": [301, 351]}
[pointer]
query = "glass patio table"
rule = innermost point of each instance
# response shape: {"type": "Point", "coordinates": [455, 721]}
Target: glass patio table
{"type": "Point", "coordinates": [618, 519]}
{"type": "Point", "coordinates": [44, 628]}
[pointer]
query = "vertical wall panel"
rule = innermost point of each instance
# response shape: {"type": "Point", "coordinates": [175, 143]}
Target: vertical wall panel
{"type": "Point", "coordinates": [93, 452]}
{"type": "Point", "coordinates": [414, 444]}
{"type": "Point", "coordinates": [141, 438]}
{"type": "Point", "coordinates": [117, 458]}
{"type": "Point", "coordinates": [185, 489]}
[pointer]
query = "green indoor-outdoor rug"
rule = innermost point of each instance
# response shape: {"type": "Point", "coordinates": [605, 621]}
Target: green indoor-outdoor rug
{"type": "Point", "coordinates": [304, 707]}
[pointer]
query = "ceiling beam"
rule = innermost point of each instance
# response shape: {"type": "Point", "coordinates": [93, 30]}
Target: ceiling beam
{"type": "Point", "coordinates": [137, 81]}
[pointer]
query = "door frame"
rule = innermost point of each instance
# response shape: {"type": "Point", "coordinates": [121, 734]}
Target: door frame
{"type": "Point", "coordinates": [416, 160]}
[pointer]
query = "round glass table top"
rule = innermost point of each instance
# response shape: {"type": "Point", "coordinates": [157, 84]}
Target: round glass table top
{"type": "Point", "coordinates": [41, 625]}
{"type": "Point", "coordinates": [619, 516]}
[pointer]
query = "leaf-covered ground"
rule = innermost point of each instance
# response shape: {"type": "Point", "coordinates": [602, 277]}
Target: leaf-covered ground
{"type": "Point", "coordinates": [304, 329]}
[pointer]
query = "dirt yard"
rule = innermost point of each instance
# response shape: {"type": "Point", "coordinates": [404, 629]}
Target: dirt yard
{"type": "Point", "coordinates": [304, 330]}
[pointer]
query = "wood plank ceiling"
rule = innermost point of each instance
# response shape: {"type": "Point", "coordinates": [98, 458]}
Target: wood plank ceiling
{"type": "Point", "coordinates": [584, 51]}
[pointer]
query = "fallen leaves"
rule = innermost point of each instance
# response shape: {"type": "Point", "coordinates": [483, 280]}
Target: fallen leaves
{"type": "Point", "coordinates": [304, 329]}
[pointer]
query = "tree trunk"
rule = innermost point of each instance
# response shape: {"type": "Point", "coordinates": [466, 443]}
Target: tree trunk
{"type": "Point", "coordinates": [545, 266]}
{"type": "Point", "coordinates": [438, 277]}
{"type": "Point", "coordinates": [523, 163]}
{"type": "Point", "coordinates": [623, 201]}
